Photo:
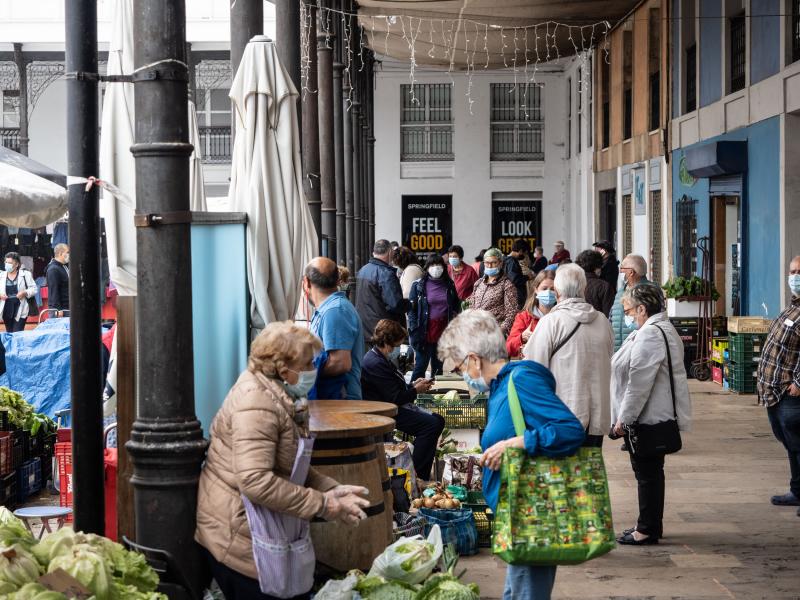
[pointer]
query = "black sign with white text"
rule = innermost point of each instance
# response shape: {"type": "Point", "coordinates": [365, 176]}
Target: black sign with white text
{"type": "Point", "coordinates": [516, 219]}
{"type": "Point", "coordinates": [427, 224]}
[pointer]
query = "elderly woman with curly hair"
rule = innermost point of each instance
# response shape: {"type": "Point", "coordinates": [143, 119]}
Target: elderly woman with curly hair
{"type": "Point", "coordinates": [254, 441]}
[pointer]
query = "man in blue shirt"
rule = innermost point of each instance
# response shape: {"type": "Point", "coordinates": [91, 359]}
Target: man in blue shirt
{"type": "Point", "coordinates": [337, 324]}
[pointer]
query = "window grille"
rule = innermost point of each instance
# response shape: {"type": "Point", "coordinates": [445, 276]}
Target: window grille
{"type": "Point", "coordinates": [656, 238]}
{"type": "Point", "coordinates": [655, 101]}
{"type": "Point", "coordinates": [214, 125]}
{"type": "Point", "coordinates": [569, 117]}
{"type": "Point", "coordinates": [795, 30]}
{"type": "Point", "coordinates": [517, 122]}
{"type": "Point", "coordinates": [686, 216]}
{"type": "Point", "coordinates": [10, 108]}
{"type": "Point", "coordinates": [627, 224]}
{"type": "Point", "coordinates": [579, 99]}
{"type": "Point", "coordinates": [590, 120]}
{"type": "Point", "coordinates": [691, 78]}
{"type": "Point", "coordinates": [738, 53]}
{"type": "Point", "coordinates": [606, 124]}
{"type": "Point", "coordinates": [426, 122]}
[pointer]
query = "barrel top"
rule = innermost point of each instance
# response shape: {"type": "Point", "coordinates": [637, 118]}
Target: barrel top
{"type": "Point", "coordinates": [367, 407]}
{"type": "Point", "coordinates": [338, 425]}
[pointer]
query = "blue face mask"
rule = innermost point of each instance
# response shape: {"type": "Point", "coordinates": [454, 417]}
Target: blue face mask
{"type": "Point", "coordinates": [546, 298]}
{"type": "Point", "coordinates": [491, 271]}
{"type": "Point", "coordinates": [479, 384]}
{"type": "Point", "coordinates": [794, 284]}
{"type": "Point", "coordinates": [394, 354]}
{"type": "Point", "coordinates": [9, 267]}
{"type": "Point", "coordinates": [630, 322]}
{"type": "Point", "coordinates": [454, 262]}
{"type": "Point", "coordinates": [305, 381]}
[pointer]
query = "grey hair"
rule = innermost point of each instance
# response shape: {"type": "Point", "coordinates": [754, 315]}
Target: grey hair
{"type": "Point", "coordinates": [648, 295]}
{"type": "Point", "coordinates": [570, 281]}
{"type": "Point", "coordinates": [637, 263]}
{"type": "Point", "coordinates": [382, 248]}
{"type": "Point", "coordinates": [473, 332]}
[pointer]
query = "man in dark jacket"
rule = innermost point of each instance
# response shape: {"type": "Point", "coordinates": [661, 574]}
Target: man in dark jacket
{"type": "Point", "coordinates": [378, 292]}
{"type": "Point", "coordinates": [610, 270]}
{"type": "Point", "coordinates": [57, 275]}
{"type": "Point", "coordinates": [598, 293]}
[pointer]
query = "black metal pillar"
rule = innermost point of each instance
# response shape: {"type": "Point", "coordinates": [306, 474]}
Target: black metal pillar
{"type": "Point", "coordinates": [310, 131]}
{"type": "Point", "coordinates": [358, 241]}
{"type": "Point", "coordinates": [192, 64]}
{"type": "Point", "coordinates": [338, 142]}
{"type": "Point", "coordinates": [22, 72]}
{"type": "Point", "coordinates": [327, 162]}
{"type": "Point", "coordinates": [287, 42]}
{"type": "Point", "coordinates": [349, 204]}
{"type": "Point", "coordinates": [247, 20]}
{"type": "Point", "coordinates": [371, 148]}
{"type": "Point", "coordinates": [167, 445]}
{"type": "Point", "coordinates": [86, 378]}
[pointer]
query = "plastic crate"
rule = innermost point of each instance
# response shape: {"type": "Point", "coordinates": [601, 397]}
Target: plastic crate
{"type": "Point", "coordinates": [748, 325]}
{"type": "Point", "coordinates": [4, 423]}
{"type": "Point", "coordinates": [484, 517]}
{"type": "Point", "coordinates": [746, 342]}
{"type": "Point", "coordinates": [741, 377]}
{"type": "Point", "coordinates": [20, 450]}
{"type": "Point", "coordinates": [458, 414]}
{"type": "Point", "coordinates": [718, 348]}
{"type": "Point", "coordinates": [35, 443]}
{"type": "Point", "coordinates": [8, 491]}
{"type": "Point", "coordinates": [5, 453]}
{"type": "Point", "coordinates": [716, 374]}
{"type": "Point", "coordinates": [64, 460]}
{"type": "Point", "coordinates": [29, 479]}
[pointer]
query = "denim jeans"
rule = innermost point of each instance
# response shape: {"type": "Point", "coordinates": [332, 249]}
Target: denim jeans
{"type": "Point", "coordinates": [785, 420]}
{"type": "Point", "coordinates": [529, 583]}
{"type": "Point", "coordinates": [426, 353]}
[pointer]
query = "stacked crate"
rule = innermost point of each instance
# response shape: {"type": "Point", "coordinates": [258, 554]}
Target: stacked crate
{"type": "Point", "coordinates": [688, 329]}
{"type": "Point", "coordinates": [25, 462]}
{"type": "Point", "coordinates": [746, 342]}
{"type": "Point", "coordinates": [719, 347]}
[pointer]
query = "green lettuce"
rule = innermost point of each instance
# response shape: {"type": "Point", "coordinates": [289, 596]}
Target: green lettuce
{"type": "Point", "coordinates": [377, 588]}
{"type": "Point", "coordinates": [13, 530]}
{"type": "Point", "coordinates": [88, 567]}
{"type": "Point", "coordinates": [36, 591]}
{"type": "Point", "coordinates": [17, 565]}
{"type": "Point", "coordinates": [447, 587]}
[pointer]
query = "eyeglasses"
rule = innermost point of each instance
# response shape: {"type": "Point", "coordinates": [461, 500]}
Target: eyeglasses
{"type": "Point", "coordinates": [457, 370]}
{"type": "Point", "coordinates": [491, 263]}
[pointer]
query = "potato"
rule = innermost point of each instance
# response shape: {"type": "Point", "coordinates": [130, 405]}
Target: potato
{"type": "Point", "coordinates": [416, 503]}
{"type": "Point", "coordinates": [430, 503]}
{"type": "Point", "coordinates": [449, 504]}
{"type": "Point", "coordinates": [440, 503]}
{"type": "Point", "coordinates": [438, 497]}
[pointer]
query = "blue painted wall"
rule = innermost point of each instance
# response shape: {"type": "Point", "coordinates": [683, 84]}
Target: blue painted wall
{"type": "Point", "coordinates": [219, 310]}
{"type": "Point", "coordinates": [760, 214]}
{"type": "Point", "coordinates": [765, 39]}
{"type": "Point", "coordinates": [710, 51]}
{"type": "Point", "coordinates": [676, 59]}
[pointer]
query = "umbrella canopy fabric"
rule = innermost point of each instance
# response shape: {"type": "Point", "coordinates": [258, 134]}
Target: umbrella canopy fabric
{"type": "Point", "coordinates": [197, 192]}
{"type": "Point", "coordinates": [15, 159]}
{"type": "Point", "coordinates": [266, 183]}
{"type": "Point", "coordinates": [29, 200]}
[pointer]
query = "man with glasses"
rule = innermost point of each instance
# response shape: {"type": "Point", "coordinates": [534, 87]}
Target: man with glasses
{"type": "Point", "coordinates": [634, 271]}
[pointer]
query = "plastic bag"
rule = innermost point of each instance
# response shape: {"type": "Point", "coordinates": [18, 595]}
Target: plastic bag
{"type": "Point", "coordinates": [339, 589]}
{"type": "Point", "coordinates": [410, 560]}
{"type": "Point", "coordinates": [459, 492]}
{"type": "Point", "coordinates": [462, 469]}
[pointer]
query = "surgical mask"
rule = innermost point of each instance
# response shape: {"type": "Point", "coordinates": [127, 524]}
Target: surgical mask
{"type": "Point", "coordinates": [305, 381]}
{"type": "Point", "coordinates": [546, 298]}
{"type": "Point", "coordinates": [436, 271]}
{"type": "Point", "coordinates": [9, 267]}
{"type": "Point", "coordinates": [394, 354]}
{"type": "Point", "coordinates": [630, 322]}
{"type": "Point", "coordinates": [399, 271]}
{"type": "Point", "coordinates": [794, 284]}
{"type": "Point", "coordinates": [479, 384]}
{"type": "Point", "coordinates": [491, 271]}
{"type": "Point", "coordinates": [66, 259]}
{"type": "Point", "coordinates": [454, 262]}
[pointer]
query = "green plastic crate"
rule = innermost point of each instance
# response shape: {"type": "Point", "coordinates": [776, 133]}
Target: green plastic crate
{"type": "Point", "coordinates": [484, 518]}
{"type": "Point", "coordinates": [746, 342]}
{"type": "Point", "coordinates": [464, 413]}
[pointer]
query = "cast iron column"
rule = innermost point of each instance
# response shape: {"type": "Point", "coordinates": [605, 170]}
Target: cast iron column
{"type": "Point", "coordinates": [358, 242]}
{"type": "Point", "coordinates": [371, 149]}
{"type": "Point", "coordinates": [86, 379]}
{"type": "Point", "coordinates": [310, 123]}
{"type": "Point", "coordinates": [349, 204]}
{"type": "Point", "coordinates": [167, 445]}
{"type": "Point", "coordinates": [338, 142]}
{"type": "Point", "coordinates": [327, 164]}
{"type": "Point", "coordinates": [22, 72]}
{"type": "Point", "coordinates": [246, 20]}
{"type": "Point", "coordinates": [287, 37]}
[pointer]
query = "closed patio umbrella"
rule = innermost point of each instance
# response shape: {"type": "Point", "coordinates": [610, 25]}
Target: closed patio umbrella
{"type": "Point", "coordinates": [31, 194]}
{"type": "Point", "coordinates": [266, 183]}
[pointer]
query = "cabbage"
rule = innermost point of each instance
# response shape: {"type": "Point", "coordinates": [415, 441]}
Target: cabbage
{"type": "Point", "coordinates": [377, 588]}
{"type": "Point", "coordinates": [55, 544]}
{"type": "Point", "coordinates": [88, 567]}
{"type": "Point", "coordinates": [36, 591]}
{"type": "Point", "coordinates": [17, 565]}
{"type": "Point", "coordinates": [12, 530]}
{"type": "Point", "coordinates": [120, 591]}
{"type": "Point", "coordinates": [447, 587]}
{"type": "Point", "coordinates": [6, 588]}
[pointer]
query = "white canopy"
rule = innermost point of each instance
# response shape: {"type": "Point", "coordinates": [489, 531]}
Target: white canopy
{"type": "Point", "coordinates": [266, 183]}
{"type": "Point", "coordinates": [27, 200]}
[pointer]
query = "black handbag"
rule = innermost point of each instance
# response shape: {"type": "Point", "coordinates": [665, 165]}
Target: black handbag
{"type": "Point", "coordinates": [661, 438]}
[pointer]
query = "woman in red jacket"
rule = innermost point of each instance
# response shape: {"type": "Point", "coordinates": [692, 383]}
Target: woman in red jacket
{"type": "Point", "coordinates": [539, 304]}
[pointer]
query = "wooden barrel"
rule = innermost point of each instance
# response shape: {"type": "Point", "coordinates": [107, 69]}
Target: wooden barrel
{"type": "Point", "coordinates": [346, 449]}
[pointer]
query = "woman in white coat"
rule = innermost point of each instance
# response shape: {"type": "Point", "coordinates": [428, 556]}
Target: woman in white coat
{"type": "Point", "coordinates": [642, 389]}
{"type": "Point", "coordinates": [16, 286]}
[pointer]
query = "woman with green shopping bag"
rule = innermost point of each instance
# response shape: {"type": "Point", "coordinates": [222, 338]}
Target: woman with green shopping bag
{"type": "Point", "coordinates": [473, 345]}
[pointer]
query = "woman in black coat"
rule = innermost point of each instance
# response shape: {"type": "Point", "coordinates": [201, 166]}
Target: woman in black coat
{"type": "Point", "coordinates": [382, 381]}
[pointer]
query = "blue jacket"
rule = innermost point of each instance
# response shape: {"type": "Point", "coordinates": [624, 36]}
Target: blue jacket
{"type": "Point", "coordinates": [552, 429]}
{"type": "Point", "coordinates": [621, 331]}
{"type": "Point", "coordinates": [419, 309]}
{"type": "Point", "coordinates": [379, 296]}
{"type": "Point", "coordinates": [382, 382]}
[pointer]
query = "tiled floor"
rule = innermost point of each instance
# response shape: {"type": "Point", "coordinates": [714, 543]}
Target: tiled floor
{"type": "Point", "coordinates": [724, 538]}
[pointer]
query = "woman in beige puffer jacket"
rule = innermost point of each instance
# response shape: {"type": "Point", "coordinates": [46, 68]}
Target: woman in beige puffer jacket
{"type": "Point", "coordinates": [254, 439]}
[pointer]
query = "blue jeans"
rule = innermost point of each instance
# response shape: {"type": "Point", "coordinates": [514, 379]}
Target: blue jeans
{"type": "Point", "coordinates": [785, 420]}
{"type": "Point", "coordinates": [529, 583]}
{"type": "Point", "coordinates": [424, 354]}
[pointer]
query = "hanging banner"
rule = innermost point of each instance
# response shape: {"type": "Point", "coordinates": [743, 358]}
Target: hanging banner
{"type": "Point", "coordinates": [514, 220]}
{"type": "Point", "coordinates": [427, 224]}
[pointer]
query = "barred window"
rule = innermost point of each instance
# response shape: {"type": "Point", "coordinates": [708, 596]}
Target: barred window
{"type": "Point", "coordinates": [627, 224]}
{"type": "Point", "coordinates": [795, 33]}
{"type": "Point", "coordinates": [517, 122]}
{"type": "Point", "coordinates": [738, 53]}
{"type": "Point", "coordinates": [426, 122]}
{"type": "Point", "coordinates": [656, 237]}
{"type": "Point", "coordinates": [214, 124]}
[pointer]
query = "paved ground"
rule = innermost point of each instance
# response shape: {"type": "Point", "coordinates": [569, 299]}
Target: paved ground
{"type": "Point", "coordinates": [724, 538]}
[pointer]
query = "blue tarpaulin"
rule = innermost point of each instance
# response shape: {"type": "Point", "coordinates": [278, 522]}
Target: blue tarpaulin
{"type": "Point", "coordinates": [37, 365]}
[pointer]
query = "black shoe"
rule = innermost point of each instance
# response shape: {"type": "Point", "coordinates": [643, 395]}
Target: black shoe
{"type": "Point", "coordinates": [624, 447]}
{"type": "Point", "coordinates": [798, 512]}
{"type": "Point", "coordinates": [627, 539]}
{"type": "Point", "coordinates": [786, 500]}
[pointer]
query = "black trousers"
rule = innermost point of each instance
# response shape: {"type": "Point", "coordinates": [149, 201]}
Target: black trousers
{"type": "Point", "coordinates": [236, 586]}
{"type": "Point", "coordinates": [426, 428]}
{"type": "Point", "coordinates": [12, 325]}
{"type": "Point", "coordinates": [649, 473]}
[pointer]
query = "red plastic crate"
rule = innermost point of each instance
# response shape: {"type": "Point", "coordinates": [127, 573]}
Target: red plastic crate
{"type": "Point", "coordinates": [64, 459]}
{"type": "Point", "coordinates": [5, 453]}
{"type": "Point", "coordinates": [716, 374]}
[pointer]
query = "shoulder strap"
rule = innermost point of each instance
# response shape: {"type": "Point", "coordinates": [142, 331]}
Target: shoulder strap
{"type": "Point", "coordinates": [565, 340]}
{"type": "Point", "coordinates": [515, 408]}
{"type": "Point", "coordinates": [671, 375]}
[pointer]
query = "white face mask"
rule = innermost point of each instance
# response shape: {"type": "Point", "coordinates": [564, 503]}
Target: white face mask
{"type": "Point", "coordinates": [436, 271]}
{"type": "Point", "coordinates": [794, 284]}
{"type": "Point", "coordinates": [305, 381]}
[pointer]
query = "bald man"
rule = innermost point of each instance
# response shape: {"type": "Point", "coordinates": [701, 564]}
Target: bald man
{"type": "Point", "coordinates": [779, 384]}
{"type": "Point", "coordinates": [337, 324]}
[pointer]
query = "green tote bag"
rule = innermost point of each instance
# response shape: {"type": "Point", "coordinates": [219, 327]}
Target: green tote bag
{"type": "Point", "coordinates": [551, 511]}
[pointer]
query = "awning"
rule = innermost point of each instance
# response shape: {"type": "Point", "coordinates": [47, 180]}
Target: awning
{"type": "Point", "coordinates": [467, 34]}
{"type": "Point", "coordinates": [716, 158]}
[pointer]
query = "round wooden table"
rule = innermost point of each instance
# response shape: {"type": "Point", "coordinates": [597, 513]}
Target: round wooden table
{"type": "Point", "coordinates": [367, 407]}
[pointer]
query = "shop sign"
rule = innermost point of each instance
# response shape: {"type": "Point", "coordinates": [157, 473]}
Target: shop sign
{"type": "Point", "coordinates": [427, 224]}
{"type": "Point", "coordinates": [514, 220]}
{"type": "Point", "coordinates": [639, 198]}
